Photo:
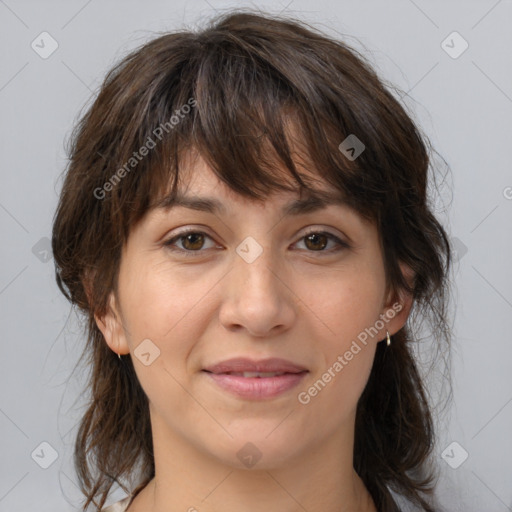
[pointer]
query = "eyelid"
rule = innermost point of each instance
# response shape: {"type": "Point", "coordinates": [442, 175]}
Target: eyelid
{"type": "Point", "coordinates": [342, 244]}
{"type": "Point", "coordinates": [176, 237]}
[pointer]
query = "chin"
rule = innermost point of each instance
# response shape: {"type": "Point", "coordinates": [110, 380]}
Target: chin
{"type": "Point", "coordinates": [256, 452]}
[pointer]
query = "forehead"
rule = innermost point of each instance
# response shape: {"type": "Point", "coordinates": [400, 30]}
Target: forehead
{"type": "Point", "coordinates": [201, 189]}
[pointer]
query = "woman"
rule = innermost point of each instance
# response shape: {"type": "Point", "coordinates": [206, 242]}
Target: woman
{"type": "Point", "coordinates": [245, 223]}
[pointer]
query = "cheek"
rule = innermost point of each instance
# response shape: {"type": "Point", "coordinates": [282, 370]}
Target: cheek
{"type": "Point", "coordinates": [168, 308]}
{"type": "Point", "coordinates": [159, 302]}
{"type": "Point", "coordinates": [344, 303]}
{"type": "Point", "coordinates": [344, 308]}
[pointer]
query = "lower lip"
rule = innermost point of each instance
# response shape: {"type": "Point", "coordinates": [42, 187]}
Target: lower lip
{"type": "Point", "coordinates": [257, 387]}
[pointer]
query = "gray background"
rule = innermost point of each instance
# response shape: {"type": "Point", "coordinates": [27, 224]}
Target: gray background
{"type": "Point", "coordinates": [463, 104]}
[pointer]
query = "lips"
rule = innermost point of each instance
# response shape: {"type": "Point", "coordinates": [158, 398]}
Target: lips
{"type": "Point", "coordinates": [256, 380]}
{"type": "Point", "coordinates": [245, 367]}
{"type": "Point", "coordinates": [259, 375]}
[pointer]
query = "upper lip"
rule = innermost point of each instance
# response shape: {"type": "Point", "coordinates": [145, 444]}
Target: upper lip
{"type": "Point", "coordinates": [243, 364]}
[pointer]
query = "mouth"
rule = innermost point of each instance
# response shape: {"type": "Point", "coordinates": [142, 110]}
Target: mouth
{"type": "Point", "coordinates": [246, 366]}
{"type": "Point", "coordinates": [257, 375]}
{"type": "Point", "coordinates": [256, 385]}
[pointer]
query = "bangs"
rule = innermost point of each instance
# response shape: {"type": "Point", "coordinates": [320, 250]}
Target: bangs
{"type": "Point", "coordinates": [257, 122]}
{"type": "Point", "coordinates": [267, 112]}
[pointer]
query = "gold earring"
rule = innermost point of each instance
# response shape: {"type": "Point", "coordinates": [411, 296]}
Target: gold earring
{"type": "Point", "coordinates": [388, 339]}
{"type": "Point", "coordinates": [119, 356]}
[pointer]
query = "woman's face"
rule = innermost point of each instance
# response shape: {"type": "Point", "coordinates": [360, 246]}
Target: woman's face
{"type": "Point", "coordinates": [252, 282]}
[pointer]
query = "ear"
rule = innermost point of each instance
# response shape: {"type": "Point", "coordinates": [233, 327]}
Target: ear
{"type": "Point", "coordinates": [112, 328]}
{"type": "Point", "coordinates": [397, 307]}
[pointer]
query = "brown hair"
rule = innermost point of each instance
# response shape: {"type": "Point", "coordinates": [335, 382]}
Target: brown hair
{"type": "Point", "coordinates": [243, 77]}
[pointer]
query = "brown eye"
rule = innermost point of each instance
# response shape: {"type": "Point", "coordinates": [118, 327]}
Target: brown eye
{"type": "Point", "coordinates": [316, 241]}
{"type": "Point", "coordinates": [189, 243]}
{"type": "Point", "coordinates": [193, 241]}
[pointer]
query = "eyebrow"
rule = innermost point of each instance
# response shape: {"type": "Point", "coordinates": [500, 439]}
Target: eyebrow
{"type": "Point", "coordinates": [312, 203]}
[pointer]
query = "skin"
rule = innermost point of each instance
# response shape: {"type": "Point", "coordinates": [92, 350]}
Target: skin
{"type": "Point", "coordinates": [294, 301]}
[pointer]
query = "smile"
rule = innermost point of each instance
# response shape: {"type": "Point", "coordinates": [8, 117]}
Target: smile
{"type": "Point", "coordinates": [256, 385]}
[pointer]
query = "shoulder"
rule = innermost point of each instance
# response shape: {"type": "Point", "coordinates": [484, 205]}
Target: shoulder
{"type": "Point", "coordinates": [122, 505]}
{"type": "Point", "coordinates": [118, 506]}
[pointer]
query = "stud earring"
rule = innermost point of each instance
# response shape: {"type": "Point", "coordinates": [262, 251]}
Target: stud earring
{"type": "Point", "coordinates": [388, 339]}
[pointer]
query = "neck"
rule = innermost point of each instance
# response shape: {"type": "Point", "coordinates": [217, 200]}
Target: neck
{"type": "Point", "coordinates": [320, 478]}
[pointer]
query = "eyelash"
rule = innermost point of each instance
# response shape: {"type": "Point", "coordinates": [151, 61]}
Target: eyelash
{"type": "Point", "coordinates": [188, 253]}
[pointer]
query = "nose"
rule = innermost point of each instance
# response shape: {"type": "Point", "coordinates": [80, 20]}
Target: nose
{"type": "Point", "coordinates": [257, 297]}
